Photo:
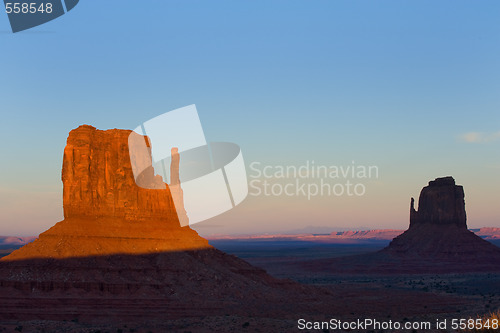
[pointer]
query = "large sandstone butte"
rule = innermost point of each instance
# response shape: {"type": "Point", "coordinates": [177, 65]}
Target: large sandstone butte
{"type": "Point", "coordinates": [440, 203]}
{"type": "Point", "coordinates": [105, 212]}
{"type": "Point", "coordinates": [121, 254]}
{"type": "Point", "coordinates": [437, 240]}
{"type": "Point", "coordinates": [438, 230]}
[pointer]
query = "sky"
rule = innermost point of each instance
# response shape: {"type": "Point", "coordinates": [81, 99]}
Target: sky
{"type": "Point", "coordinates": [409, 87]}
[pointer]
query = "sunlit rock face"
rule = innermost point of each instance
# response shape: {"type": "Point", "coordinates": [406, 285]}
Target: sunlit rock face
{"type": "Point", "coordinates": [105, 212]}
{"type": "Point", "coordinates": [98, 180]}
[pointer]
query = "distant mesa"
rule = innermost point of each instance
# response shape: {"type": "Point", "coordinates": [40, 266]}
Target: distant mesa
{"type": "Point", "coordinates": [488, 233]}
{"type": "Point", "coordinates": [10, 241]}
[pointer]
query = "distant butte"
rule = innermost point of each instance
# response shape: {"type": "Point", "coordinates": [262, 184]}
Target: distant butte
{"type": "Point", "coordinates": [437, 240]}
{"type": "Point", "coordinates": [438, 230]}
{"type": "Point", "coordinates": [440, 203]}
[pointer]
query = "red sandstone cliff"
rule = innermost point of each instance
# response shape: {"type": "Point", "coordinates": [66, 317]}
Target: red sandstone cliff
{"type": "Point", "coordinates": [105, 212]}
{"type": "Point", "coordinates": [98, 180]}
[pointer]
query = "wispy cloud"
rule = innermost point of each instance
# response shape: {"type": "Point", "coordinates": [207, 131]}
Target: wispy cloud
{"type": "Point", "coordinates": [480, 137]}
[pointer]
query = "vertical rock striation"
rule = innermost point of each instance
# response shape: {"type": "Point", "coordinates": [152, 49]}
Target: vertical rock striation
{"type": "Point", "coordinates": [98, 181]}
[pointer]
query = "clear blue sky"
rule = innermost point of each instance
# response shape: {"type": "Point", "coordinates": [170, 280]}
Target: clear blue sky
{"type": "Point", "coordinates": [410, 86]}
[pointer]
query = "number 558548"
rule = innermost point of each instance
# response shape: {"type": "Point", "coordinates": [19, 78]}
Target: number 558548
{"type": "Point", "coordinates": [28, 8]}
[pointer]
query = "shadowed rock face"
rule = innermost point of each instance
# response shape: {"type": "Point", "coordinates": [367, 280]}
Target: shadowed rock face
{"type": "Point", "coordinates": [440, 203]}
{"type": "Point", "coordinates": [438, 230]}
